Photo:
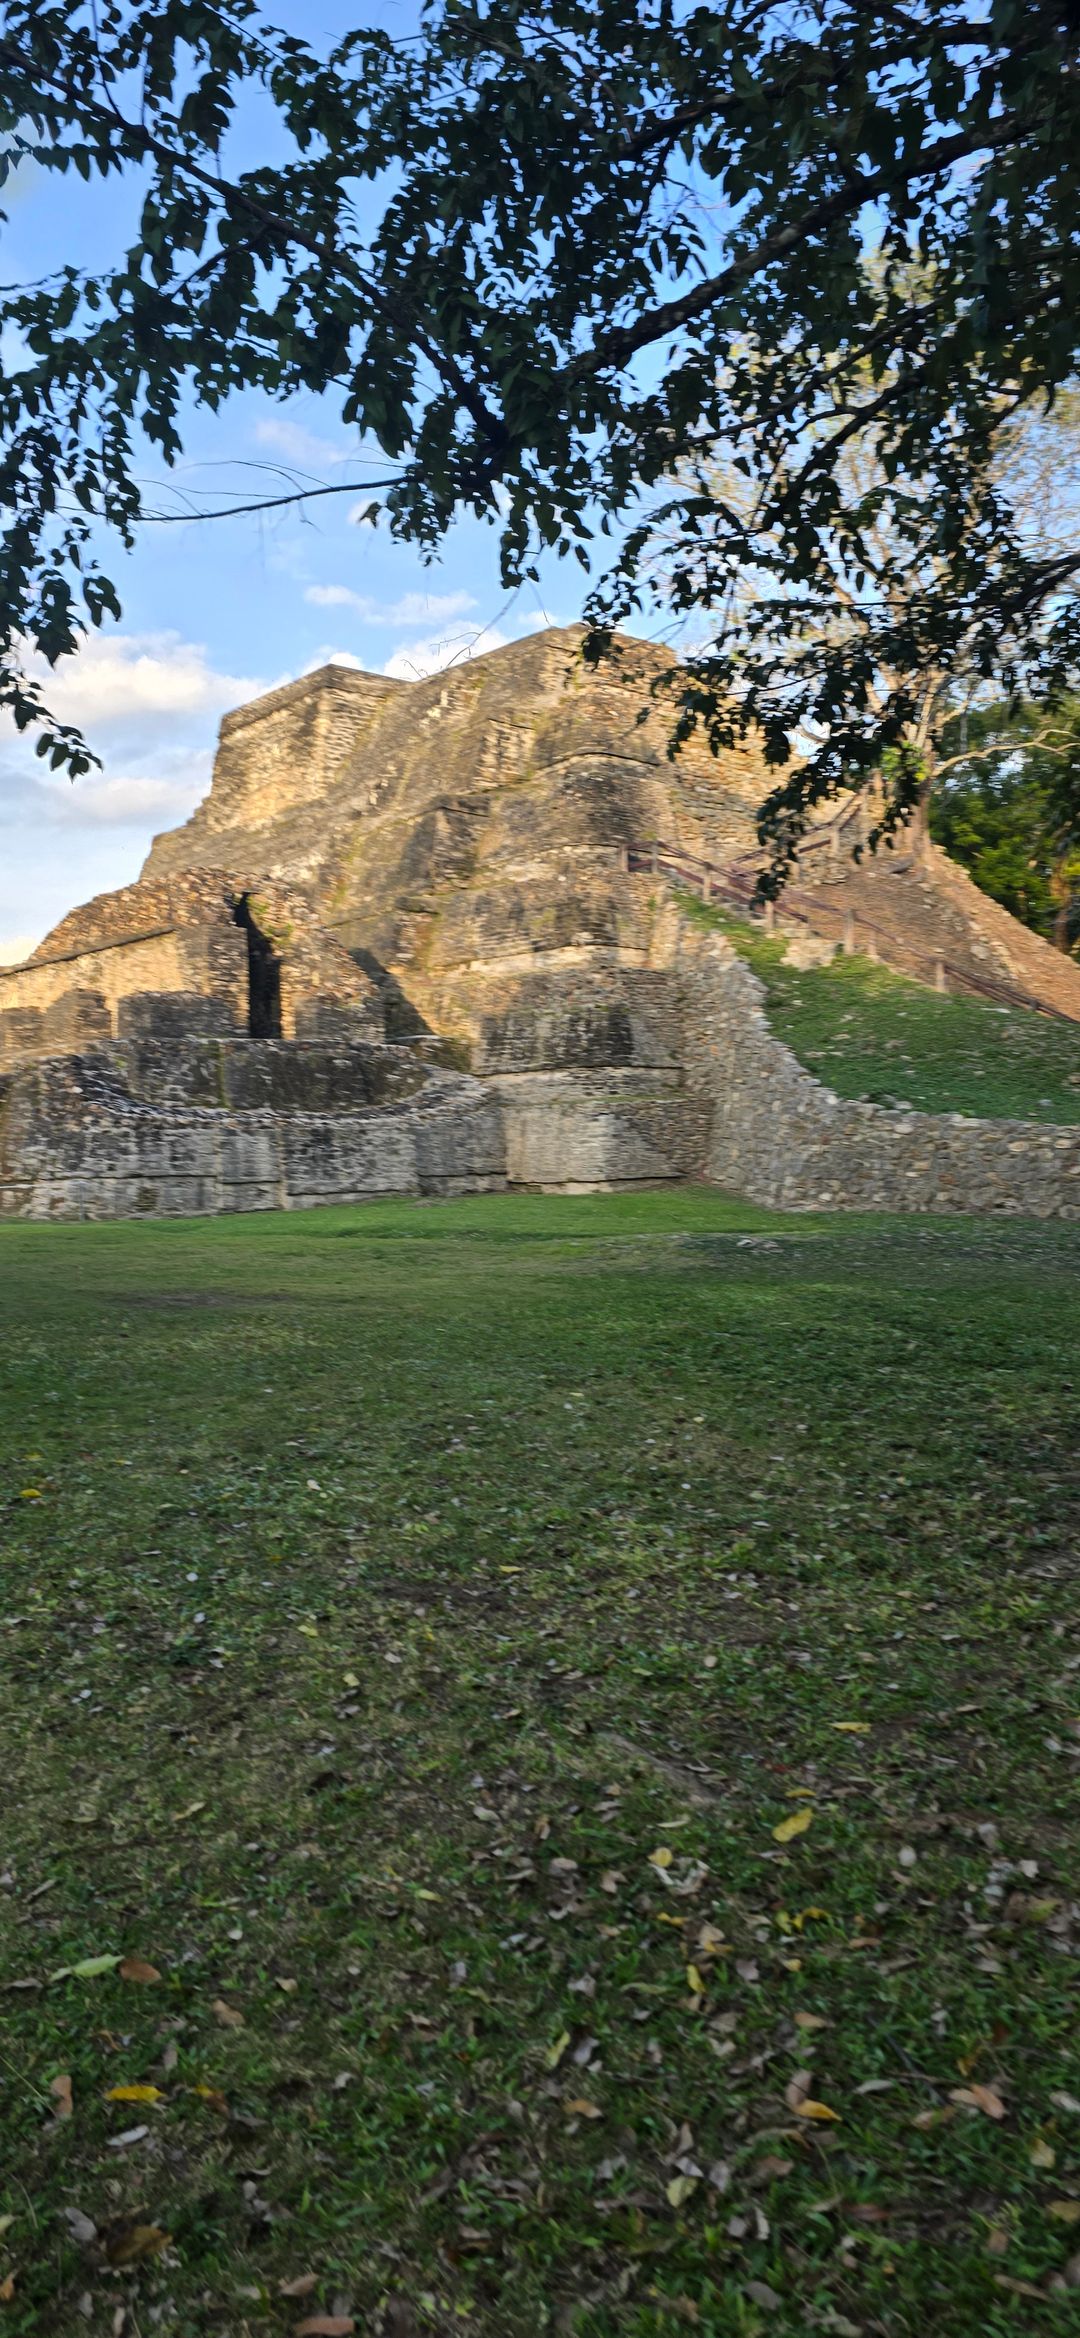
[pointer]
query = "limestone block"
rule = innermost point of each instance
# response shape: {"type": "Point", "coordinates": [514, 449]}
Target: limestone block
{"type": "Point", "coordinates": [578, 1132]}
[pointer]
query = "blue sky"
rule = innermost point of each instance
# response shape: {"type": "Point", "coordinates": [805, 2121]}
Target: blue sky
{"type": "Point", "coordinates": [215, 612]}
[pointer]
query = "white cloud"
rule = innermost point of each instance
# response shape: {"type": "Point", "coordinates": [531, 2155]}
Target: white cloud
{"type": "Point", "coordinates": [428, 608]}
{"type": "Point", "coordinates": [119, 683]}
{"type": "Point", "coordinates": [148, 705]}
{"type": "Point", "coordinates": [538, 621]}
{"type": "Point", "coordinates": [335, 597]}
{"type": "Point", "coordinates": [411, 609]}
{"type": "Point", "coordinates": [17, 947]}
{"type": "Point", "coordinates": [300, 447]}
{"type": "Point", "coordinates": [329, 655]}
{"type": "Point", "coordinates": [101, 800]}
{"type": "Point", "coordinates": [415, 658]}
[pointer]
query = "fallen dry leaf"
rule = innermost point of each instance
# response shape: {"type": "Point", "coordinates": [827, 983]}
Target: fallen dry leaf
{"type": "Point", "coordinates": [82, 2228]}
{"type": "Point", "coordinates": [762, 2296]}
{"type": "Point", "coordinates": [302, 2286]}
{"type": "Point", "coordinates": [325, 2326]}
{"type": "Point", "coordinates": [662, 1857]}
{"type": "Point", "coordinates": [227, 2015]}
{"type": "Point", "coordinates": [853, 1728]}
{"type": "Point", "coordinates": [192, 1811]}
{"type": "Point", "coordinates": [810, 2021]}
{"type": "Point", "coordinates": [211, 2095]}
{"type": "Point", "coordinates": [679, 2189]}
{"type": "Point", "coordinates": [795, 1825]}
{"type": "Point", "coordinates": [1042, 2153]}
{"type": "Point", "coordinates": [555, 2053]}
{"type": "Point", "coordinates": [809, 2109]}
{"type": "Point", "coordinates": [135, 1968]}
{"type": "Point", "coordinates": [130, 2135]}
{"type": "Point", "coordinates": [925, 2120]}
{"type": "Point", "coordinates": [579, 2107]}
{"type": "Point", "coordinates": [1019, 2288]}
{"type": "Point", "coordinates": [125, 2243]}
{"type": "Point", "coordinates": [7, 2289]}
{"type": "Point", "coordinates": [60, 2090]}
{"type": "Point", "coordinates": [1066, 2211]}
{"type": "Point", "coordinates": [979, 2098]}
{"type": "Point", "coordinates": [135, 2094]}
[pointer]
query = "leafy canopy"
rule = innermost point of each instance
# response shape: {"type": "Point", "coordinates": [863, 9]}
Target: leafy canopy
{"type": "Point", "coordinates": [1009, 809]}
{"type": "Point", "coordinates": [564, 264]}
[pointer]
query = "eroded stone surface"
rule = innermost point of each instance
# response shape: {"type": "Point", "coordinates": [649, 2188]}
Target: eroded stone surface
{"type": "Point", "coordinates": [443, 865]}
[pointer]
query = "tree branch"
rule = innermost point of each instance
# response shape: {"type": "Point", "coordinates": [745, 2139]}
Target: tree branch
{"type": "Point", "coordinates": [656, 325]}
{"type": "Point", "coordinates": [227, 192]}
{"type": "Point", "coordinates": [265, 503]}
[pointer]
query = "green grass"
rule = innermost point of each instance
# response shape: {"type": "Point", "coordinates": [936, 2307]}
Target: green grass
{"type": "Point", "coordinates": [416, 1624]}
{"type": "Point", "coordinates": [866, 1032]}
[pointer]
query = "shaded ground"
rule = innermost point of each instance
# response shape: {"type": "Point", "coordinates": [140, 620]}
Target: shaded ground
{"type": "Point", "coordinates": [869, 1033]}
{"type": "Point", "coordinates": [416, 1624]}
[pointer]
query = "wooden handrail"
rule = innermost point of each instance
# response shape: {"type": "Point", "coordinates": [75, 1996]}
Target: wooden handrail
{"type": "Point", "coordinates": [717, 884]}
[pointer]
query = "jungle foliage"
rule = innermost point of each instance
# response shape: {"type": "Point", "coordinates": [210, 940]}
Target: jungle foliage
{"type": "Point", "coordinates": [1010, 812]}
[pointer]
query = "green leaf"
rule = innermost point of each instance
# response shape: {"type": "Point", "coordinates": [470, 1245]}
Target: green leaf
{"type": "Point", "coordinates": [88, 1969]}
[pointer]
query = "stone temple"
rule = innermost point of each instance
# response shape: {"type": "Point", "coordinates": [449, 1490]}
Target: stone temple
{"type": "Point", "coordinates": [431, 938]}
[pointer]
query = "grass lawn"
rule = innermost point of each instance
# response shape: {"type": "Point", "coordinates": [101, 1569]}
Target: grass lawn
{"type": "Point", "coordinates": [578, 1703]}
{"type": "Point", "coordinates": [869, 1033]}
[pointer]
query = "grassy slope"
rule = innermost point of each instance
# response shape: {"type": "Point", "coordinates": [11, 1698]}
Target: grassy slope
{"type": "Point", "coordinates": [403, 1589]}
{"type": "Point", "coordinates": [869, 1033]}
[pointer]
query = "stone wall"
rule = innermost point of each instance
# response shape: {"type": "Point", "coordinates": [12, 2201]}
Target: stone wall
{"type": "Point", "coordinates": [170, 958]}
{"type": "Point", "coordinates": [586, 1132]}
{"type": "Point", "coordinates": [279, 754]}
{"type": "Point", "coordinates": [177, 980]}
{"type": "Point", "coordinates": [198, 1126]}
{"type": "Point", "coordinates": [114, 1135]}
{"type": "Point", "coordinates": [782, 1139]}
{"type": "Point", "coordinates": [194, 897]}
